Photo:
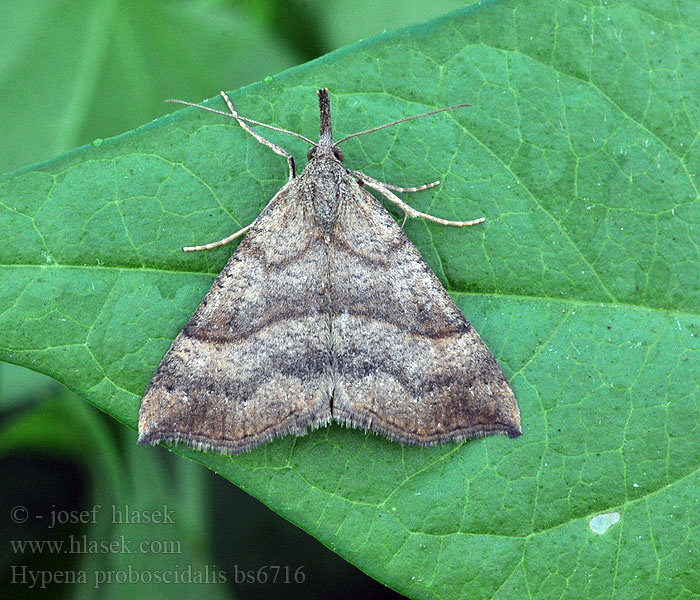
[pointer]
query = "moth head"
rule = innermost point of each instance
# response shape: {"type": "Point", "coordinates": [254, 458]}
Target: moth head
{"type": "Point", "coordinates": [337, 153]}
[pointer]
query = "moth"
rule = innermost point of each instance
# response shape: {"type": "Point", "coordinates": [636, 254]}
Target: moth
{"type": "Point", "coordinates": [326, 312]}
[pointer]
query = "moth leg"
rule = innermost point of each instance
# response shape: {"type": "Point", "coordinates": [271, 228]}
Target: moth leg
{"type": "Point", "coordinates": [274, 147]}
{"type": "Point", "coordinates": [396, 188]}
{"type": "Point", "coordinates": [220, 242]}
{"type": "Point", "coordinates": [418, 188]}
{"type": "Point", "coordinates": [408, 211]}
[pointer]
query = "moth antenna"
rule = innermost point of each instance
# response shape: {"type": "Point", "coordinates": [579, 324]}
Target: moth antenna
{"type": "Point", "coordinates": [427, 114]}
{"type": "Point", "coordinates": [246, 119]}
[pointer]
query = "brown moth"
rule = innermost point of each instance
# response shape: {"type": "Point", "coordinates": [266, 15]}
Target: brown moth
{"type": "Point", "coordinates": [326, 311]}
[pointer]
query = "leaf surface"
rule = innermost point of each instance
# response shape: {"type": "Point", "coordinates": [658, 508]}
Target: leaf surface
{"type": "Point", "coordinates": [581, 152]}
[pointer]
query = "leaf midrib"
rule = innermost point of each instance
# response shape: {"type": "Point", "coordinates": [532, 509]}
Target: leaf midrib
{"type": "Point", "coordinates": [455, 293]}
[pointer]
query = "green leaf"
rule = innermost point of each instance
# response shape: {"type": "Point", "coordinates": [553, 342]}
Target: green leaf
{"type": "Point", "coordinates": [581, 152]}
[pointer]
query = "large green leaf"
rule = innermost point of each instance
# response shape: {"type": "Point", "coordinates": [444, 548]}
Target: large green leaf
{"type": "Point", "coordinates": [580, 150]}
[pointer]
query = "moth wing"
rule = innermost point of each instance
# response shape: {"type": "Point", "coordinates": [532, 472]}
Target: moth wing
{"type": "Point", "coordinates": [253, 361]}
{"type": "Point", "coordinates": [408, 364]}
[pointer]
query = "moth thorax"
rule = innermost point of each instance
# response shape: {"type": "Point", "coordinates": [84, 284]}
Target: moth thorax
{"type": "Point", "coordinates": [325, 202]}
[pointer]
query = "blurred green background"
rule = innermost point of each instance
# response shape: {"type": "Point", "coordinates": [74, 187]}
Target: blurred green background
{"type": "Point", "coordinates": [71, 72]}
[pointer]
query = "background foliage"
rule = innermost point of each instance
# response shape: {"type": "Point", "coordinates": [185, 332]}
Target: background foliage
{"type": "Point", "coordinates": [580, 150]}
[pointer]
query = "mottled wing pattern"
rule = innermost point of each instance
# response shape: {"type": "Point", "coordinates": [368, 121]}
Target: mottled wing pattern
{"type": "Point", "coordinates": [253, 361]}
{"type": "Point", "coordinates": [407, 364]}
